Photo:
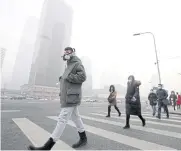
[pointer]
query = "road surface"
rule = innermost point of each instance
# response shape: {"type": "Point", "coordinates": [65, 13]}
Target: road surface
{"type": "Point", "coordinates": [25, 122]}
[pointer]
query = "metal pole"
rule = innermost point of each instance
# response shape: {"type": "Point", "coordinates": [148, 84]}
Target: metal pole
{"type": "Point", "coordinates": [157, 62]}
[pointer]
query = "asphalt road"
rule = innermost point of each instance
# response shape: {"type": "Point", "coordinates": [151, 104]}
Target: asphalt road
{"type": "Point", "coordinates": [25, 122]}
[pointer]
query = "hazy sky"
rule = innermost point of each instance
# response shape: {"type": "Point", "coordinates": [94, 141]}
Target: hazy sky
{"type": "Point", "coordinates": [103, 30]}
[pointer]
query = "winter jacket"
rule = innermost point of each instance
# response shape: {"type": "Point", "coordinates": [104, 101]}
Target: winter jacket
{"type": "Point", "coordinates": [173, 98]}
{"type": "Point", "coordinates": [71, 83]}
{"type": "Point", "coordinates": [179, 100]}
{"type": "Point", "coordinates": [112, 98]}
{"type": "Point", "coordinates": [133, 107]}
{"type": "Point", "coordinates": [152, 98]}
{"type": "Point", "coordinates": [161, 94]}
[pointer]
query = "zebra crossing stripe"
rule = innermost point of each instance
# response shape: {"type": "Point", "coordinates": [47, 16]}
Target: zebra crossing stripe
{"type": "Point", "coordinates": [151, 122]}
{"type": "Point", "coordinates": [173, 115]}
{"type": "Point", "coordinates": [150, 114]}
{"type": "Point", "coordinates": [145, 129]}
{"type": "Point", "coordinates": [9, 111]}
{"type": "Point", "coordinates": [37, 102]}
{"type": "Point", "coordinates": [154, 118]}
{"type": "Point", "coordinates": [130, 141]}
{"type": "Point", "coordinates": [37, 135]}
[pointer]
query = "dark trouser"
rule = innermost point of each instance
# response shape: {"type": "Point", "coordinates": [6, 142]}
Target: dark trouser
{"type": "Point", "coordinates": [154, 109]}
{"type": "Point", "coordinates": [160, 105]}
{"type": "Point", "coordinates": [116, 108]}
{"type": "Point", "coordinates": [174, 106]}
{"type": "Point", "coordinates": [128, 117]}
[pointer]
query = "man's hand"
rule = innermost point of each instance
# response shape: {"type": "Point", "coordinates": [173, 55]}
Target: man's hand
{"type": "Point", "coordinates": [133, 99]}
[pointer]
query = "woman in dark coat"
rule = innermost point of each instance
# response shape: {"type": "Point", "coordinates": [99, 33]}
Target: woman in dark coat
{"type": "Point", "coordinates": [133, 104]}
{"type": "Point", "coordinates": [112, 100]}
{"type": "Point", "coordinates": [173, 99]}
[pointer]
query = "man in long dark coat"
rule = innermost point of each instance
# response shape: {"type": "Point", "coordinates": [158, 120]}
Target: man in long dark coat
{"type": "Point", "coordinates": [133, 104]}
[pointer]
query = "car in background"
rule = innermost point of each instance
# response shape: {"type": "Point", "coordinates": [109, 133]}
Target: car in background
{"type": "Point", "coordinates": [91, 100]}
{"type": "Point", "coordinates": [18, 97]}
{"type": "Point", "coordinates": [4, 97]}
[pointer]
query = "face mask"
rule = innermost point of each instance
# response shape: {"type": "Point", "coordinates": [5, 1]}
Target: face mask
{"type": "Point", "coordinates": [129, 81]}
{"type": "Point", "coordinates": [66, 57]}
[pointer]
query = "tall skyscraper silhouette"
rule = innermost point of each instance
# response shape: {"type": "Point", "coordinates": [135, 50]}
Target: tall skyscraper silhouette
{"type": "Point", "coordinates": [53, 35]}
{"type": "Point", "coordinates": [23, 61]}
{"type": "Point", "coordinates": [3, 53]}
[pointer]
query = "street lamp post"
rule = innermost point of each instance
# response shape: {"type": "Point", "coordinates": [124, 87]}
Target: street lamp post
{"type": "Point", "coordinates": [157, 62]}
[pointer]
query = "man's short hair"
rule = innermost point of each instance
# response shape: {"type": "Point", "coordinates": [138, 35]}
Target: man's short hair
{"type": "Point", "coordinates": [160, 85]}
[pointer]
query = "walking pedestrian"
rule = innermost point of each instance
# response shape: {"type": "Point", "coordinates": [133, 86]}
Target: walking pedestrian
{"type": "Point", "coordinates": [162, 100]}
{"type": "Point", "coordinates": [178, 100]}
{"type": "Point", "coordinates": [133, 104]}
{"type": "Point", "coordinates": [112, 100]}
{"type": "Point", "coordinates": [70, 98]}
{"type": "Point", "coordinates": [173, 98]}
{"type": "Point", "coordinates": [153, 101]}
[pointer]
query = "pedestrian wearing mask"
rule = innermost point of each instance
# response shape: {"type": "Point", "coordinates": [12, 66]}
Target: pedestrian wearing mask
{"type": "Point", "coordinates": [162, 100]}
{"type": "Point", "coordinates": [133, 104]}
{"type": "Point", "coordinates": [70, 98]}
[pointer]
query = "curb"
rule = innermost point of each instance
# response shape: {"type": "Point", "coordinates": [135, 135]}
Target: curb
{"type": "Point", "coordinates": [175, 113]}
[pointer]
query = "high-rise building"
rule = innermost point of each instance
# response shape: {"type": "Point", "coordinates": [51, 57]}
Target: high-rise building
{"type": "Point", "coordinates": [54, 35]}
{"type": "Point", "coordinates": [23, 61]}
{"type": "Point", "coordinates": [87, 85]}
{"type": "Point", "coordinates": [3, 53]}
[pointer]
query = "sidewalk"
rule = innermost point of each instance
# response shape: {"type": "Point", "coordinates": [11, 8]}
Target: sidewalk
{"type": "Point", "coordinates": [171, 110]}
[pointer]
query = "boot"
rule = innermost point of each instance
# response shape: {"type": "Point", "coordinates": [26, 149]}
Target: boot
{"type": "Point", "coordinates": [144, 122]}
{"type": "Point", "coordinates": [109, 111]}
{"type": "Point", "coordinates": [126, 127]}
{"type": "Point", "coordinates": [47, 146]}
{"type": "Point", "coordinates": [82, 141]}
{"type": "Point", "coordinates": [158, 117]}
{"type": "Point", "coordinates": [119, 113]}
{"type": "Point", "coordinates": [167, 115]}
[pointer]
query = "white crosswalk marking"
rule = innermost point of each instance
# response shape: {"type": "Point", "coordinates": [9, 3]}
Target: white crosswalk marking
{"type": "Point", "coordinates": [145, 129]}
{"type": "Point", "coordinates": [37, 135]}
{"type": "Point", "coordinates": [150, 114]}
{"type": "Point", "coordinates": [130, 141]}
{"type": "Point", "coordinates": [151, 122]}
{"type": "Point", "coordinates": [173, 115]}
{"type": "Point", "coordinates": [154, 118]}
{"type": "Point", "coordinates": [9, 111]}
{"type": "Point", "coordinates": [38, 102]}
